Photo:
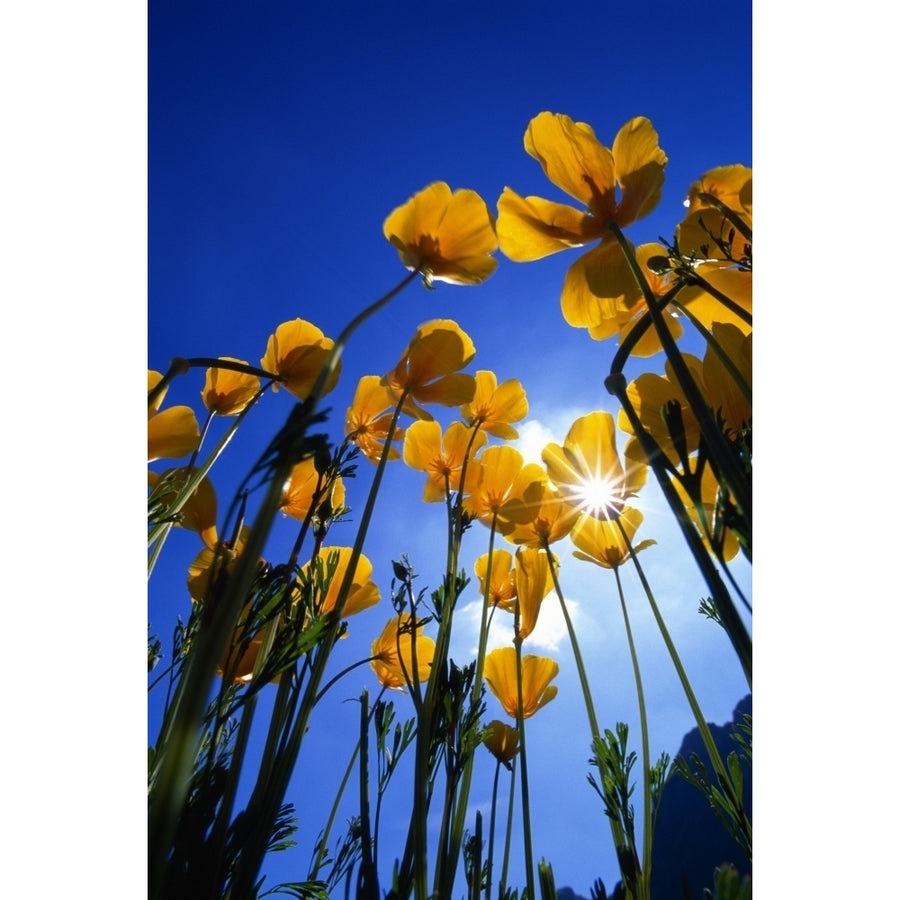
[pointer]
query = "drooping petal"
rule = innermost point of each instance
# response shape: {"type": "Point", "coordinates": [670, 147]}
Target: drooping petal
{"type": "Point", "coordinates": [530, 228]}
{"type": "Point", "coordinates": [598, 287]}
{"type": "Point", "coordinates": [640, 170]}
{"type": "Point", "coordinates": [736, 284]}
{"type": "Point", "coordinates": [533, 582]}
{"type": "Point", "coordinates": [537, 673]}
{"type": "Point", "coordinates": [172, 433]}
{"type": "Point", "coordinates": [502, 740]}
{"type": "Point", "coordinates": [574, 160]}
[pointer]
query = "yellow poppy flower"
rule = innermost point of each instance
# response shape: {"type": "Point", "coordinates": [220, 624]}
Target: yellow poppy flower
{"type": "Point", "coordinates": [440, 456]}
{"type": "Point", "coordinates": [727, 400]}
{"type": "Point", "coordinates": [199, 569]}
{"type": "Point", "coordinates": [306, 489]}
{"type": "Point", "coordinates": [172, 433]}
{"type": "Point", "coordinates": [709, 495]}
{"type": "Point", "coordinates": [503, 741]}
{"type": "Point", "coordinates": [240, 655]}
{"type": "Point", "coordinates": [227, 392]}
{"type": "Point", "coordinates": [539, 514]}
{"type": "Point", "coordinates": [502, 589]}
{"type": "Point", "coordinates": [369, 418]}
{"type": "Point", "coordinates": [732, 186]}
{"type": "Point", "coordinates": [363, 591]}
{"type": "Point", "coordinates": [600, 541]}
{"type": "Point", "coordinates": [495, 477]}
{"type": "Point", "coordinates": [621, 321]}
{"type": "Point", "coordinates": [449, 235]}
{"type": "Point", "coordinates": [587, 470]}
{"type": "Point", "coordinates": [198, 513]}
{"type": "Point", "coordinates": [296, 352]}
{"type": "Point", "coordinates": [599, 284]}
{"type": "Point", "coordinates": [428, 370]}
{"type": "Point", "coordinates": [537, 673]}
{"type": "Point", "coordinates": [650, 394]}
{"type": "Point", "coordinates": [533, 582]}
{"type": "Point", "coordinates": [392, 653]}
{"type": "Point", "coordinates": [493, 407]}
{"type": "Point", "coordinates": [735, 283]}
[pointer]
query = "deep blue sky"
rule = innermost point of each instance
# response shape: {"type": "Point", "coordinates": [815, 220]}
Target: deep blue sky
{"type": "Point", "coordinates": [280, 137]}
{"type": "Point", "coordinates": [75, 289]}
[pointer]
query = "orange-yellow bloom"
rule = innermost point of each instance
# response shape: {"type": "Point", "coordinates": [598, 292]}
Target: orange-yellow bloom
{"type": "Point", "coordinates": [428, 370]}
{"type": "Point", "coordinates": [199, 511]}
{"type": "Point", "coordinates": [732, 186]}
{"type": "Point", "coordinates": [306, 489]}
{"type": "Point", "coordinates": [503, 741]}
{"type": "Point", "coordinates": [540, 515]}
{"type": "Point", "coordinates": [392, 653]}
{"type": "Point", "coordinates": [502, 589]}
{"type": "Point", "coordinates": [534, 581]}
{"type": "Point", "coordinates": [226, 391]}
{"type": "Point", "coordinates": [621, 321]}
{"type": "Point", "coordinates": [450, 236]}
{"type": "Point", "coordinates": [369, 419]}
{"type": "Point", "coordinates": [363, 591]}
{"type": "Point", "coordinates": [172, 433]}
{"type": "Point", "coordinates": [599, 284]}
{"type": "Point", "coordinates": [494, 478]}
{"type": "Point", "coordinates": [587, 470]}
{"type": "Point", "coordinates": [537, 673]}
{"type": "Point", "coordinates": [600, 541]}
{"type": "Point", "coordinates": [705, 517]}
{"type": "Point", "coordinates": [493, 407]}
{"type": "Point", "coordinates": [296, 352]}
{"type": "Point", "coordinates": [441, 457]}
{"type": "Point", "coordinates": [200, 569]}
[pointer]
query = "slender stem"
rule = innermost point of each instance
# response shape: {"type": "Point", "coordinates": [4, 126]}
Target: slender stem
{"type": "Point", "coordinates": [618, 833]}
{"type": "Point", "coordinates": [490, 857]}
{"type": "Point", "coordinates": [644, 877]}
{"type": "Point", "coordinates": [730, 473]}
{"type": "Point", "coordinates": [520, 724]}
{"type": "Point", "coordinates": [507, 846]}
{"type": "Point", "coordinates": [717, 348]}
{"type": "Point", "coordinates": [161, 529]}
{"type": "Point", "coordinates": [731, 620]}
{"type": "Point", "coordinates": [705, 733]}
{"type": "Point", "coordinates": [173, 758]}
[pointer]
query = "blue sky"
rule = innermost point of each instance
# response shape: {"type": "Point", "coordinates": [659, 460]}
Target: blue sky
{"type": "Point", "coordinates": [271, 169]}
{"type": "Point", "coordinates": [280, 137]}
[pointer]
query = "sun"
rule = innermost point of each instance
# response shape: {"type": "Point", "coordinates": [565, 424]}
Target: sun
{"type": "Point", "coordinates": [598, 497]}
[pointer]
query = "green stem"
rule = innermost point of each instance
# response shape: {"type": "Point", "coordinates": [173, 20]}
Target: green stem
{"type": "Point", "coordinates": [716, 347]}
{"type": "Point", "coordinates": [731, 620]}
{"type": "Point", "coordinates": [702, 725]}
{"type": "Point", "coordinates": [644, 877]}
{"type": "Point", "coordinates": [159, 531]}
{"type": "Point", "coordinates": [520, 724]}
{"type": "Point", "coordinates": [170, 776]}
{"type": "Point", "coordinates": [733, 477]}
{"type": "Point", "coordinates": [507, 847]}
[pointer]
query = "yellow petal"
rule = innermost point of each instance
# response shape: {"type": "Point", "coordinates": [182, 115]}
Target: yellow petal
{"type": "Point", "coordinates": [172, 433]}
{"type": "Point", "coordinates": [640, 165]}
{"type": "Point", "coordinates": [574, 160]}
{"type": "Point", "coordinates": [531, 228]}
